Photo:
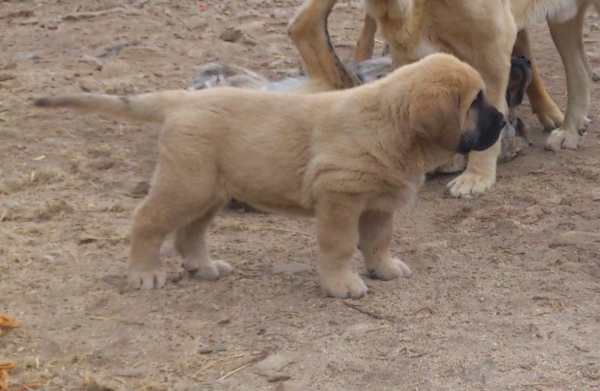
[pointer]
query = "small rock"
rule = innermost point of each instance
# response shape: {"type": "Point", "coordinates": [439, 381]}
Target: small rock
{"type": "Point", "coordinates": [131, 372]}
{"type": "Point", "coordinates": [506, 224]}
{"type": "Point", "coordinates": [292, 268]}
{"type": "Point", "coordinates": [291, 386]}
{"type": "Point", "coordinates": [13, 204]}
{"type": "Point", "coordinates": [556, 200]}
{"type": "Point", "coordinates": [469, 221]}
{"type": "Point", "coordinates": [231, 35]}
{"type": "Point", "coordinates": [432, 246]}
{"type": "Point", "coordinates": [205, 350]}
{"type": "Point", "coordinates": [48, 257]}
{"type": "Point", "coordinates": [275, 363]}
{"type": "Point", "coordinates": [5, 76]}
{"type": "Point", "coordinates": [220, 347]}
{"type": "Point", "coordinates": [495, 346]}
{"type": "Point", "coordinates": [278, 376]}
{"type": "Point", "coordinates": [576, 239]}
{"type": "Point", "coordinates": [596, 194]}
{"type": "Point", "coordinates": [534, 211]}
{"type": "Point", "coordinates": [111, 69]}
{"type": "Point", "coordinates": [547, 166]}
{"type": "Point", "coordinates": [102, 163]}
{"type": "Point", "coordinates": [139, 190]}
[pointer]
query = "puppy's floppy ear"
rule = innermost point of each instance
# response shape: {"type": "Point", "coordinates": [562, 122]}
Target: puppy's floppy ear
{"type": "Point", "coordinates": [434, 113]}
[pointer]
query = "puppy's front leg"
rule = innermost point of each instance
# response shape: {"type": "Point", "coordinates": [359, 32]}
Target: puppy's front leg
{"type": "Point", "coordinates": [376, 231]}
{"type": "Point", "coordinates": [337, 236]}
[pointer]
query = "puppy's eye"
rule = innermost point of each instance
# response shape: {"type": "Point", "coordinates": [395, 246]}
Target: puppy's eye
{"type": "Point", "coordinates": [478, 99]}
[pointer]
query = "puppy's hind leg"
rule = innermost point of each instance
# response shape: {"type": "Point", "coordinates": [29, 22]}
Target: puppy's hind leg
{"type": "Point", "coordinates": [376, 231]}
{"type": "Point", "coordinates": [174, 201]}
{"type": "Point", "coordinates": [191, 244]}
{"type": "Point", "coordinates": [337, 235]}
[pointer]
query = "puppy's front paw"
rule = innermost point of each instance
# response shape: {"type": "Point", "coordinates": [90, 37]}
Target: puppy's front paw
{"type": "Point", "coordinates": [390, 270]}
{"type": "Point", "coordinates": [147, 280]}
{"type": "Point", "coordinates": [212, 270]}
{"type": "Point", "coordinates": [563, 139]}
{"type": "Point", "coordinates": [469, 183]}
{"type": "Point", "coordinates": [343, 285]}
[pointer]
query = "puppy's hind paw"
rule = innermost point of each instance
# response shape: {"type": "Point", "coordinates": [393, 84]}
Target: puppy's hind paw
{"type": "Point", "coordinates": [343, 285]}
{"type": "Point", "coordinates": [147, 280]}
{"type": "Point", "coordinates": [390, 270]}
{"type": "Point", "coordinates": [207, 271]}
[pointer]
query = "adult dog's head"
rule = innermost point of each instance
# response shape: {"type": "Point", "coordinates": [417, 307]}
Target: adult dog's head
{"type": "Point", "coordinates": [448, 105]}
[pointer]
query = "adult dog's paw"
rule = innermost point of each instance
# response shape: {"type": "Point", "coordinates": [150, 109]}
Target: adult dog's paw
{"type": "Point", "coordinates": [146, 280]}
{"type": "Point", "coordinates": [343, 284]}
{"type": "Point", "coordinates": [207, 271]}
{"type": "Point", "coordinates": [549, 116]}
{"type": "Point", "coordinates": [390, 270]}
{"type": "Point", "coordinates": [469, 183]}
{"type": "Point", "coordinates": [563, 139]}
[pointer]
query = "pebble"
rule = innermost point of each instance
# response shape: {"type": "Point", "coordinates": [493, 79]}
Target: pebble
{"type": "Point", "coordinates": [131, 372]}
{"type": "Point", "coordinates": [291, 386]}
{"type": "Point", "coordinates": [13, 204]}
{"type": "Point", "coordinates": [5, 76]}
{"type": "Point", "coordinates": [534, 211]}
{"type": "Point", "coordinates": [220, 347]}
{"type": "Point", "coordinates": [292, 268]}
{"type": "Point", "coordinates": [102, 163]}
{"type": "Point", "coordinates": [432, 246]}
{"type": "Point", "coordinates": [506, 224]}
{"type": "Point", "coordinates": [275, 363]}
{"type": "Point", "coordinates": [231, 34]}
{"type": "Point", "coordinates": [205, 350]}
{"type": "Point", "coordinates": [469, 221]}
{"type": "Point", "coordinates": [278, 376]}
{"type": "Point", "coordinates": [576, 239]}
{"type": "Point", "coordinates": [556, 200]}
{"type": "Point", "coordinates": [596, 194]}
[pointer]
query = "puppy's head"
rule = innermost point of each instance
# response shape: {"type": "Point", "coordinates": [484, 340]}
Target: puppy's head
{"type": "Point", "coordinates": [448, 106]}
{"type": "Point", "coordinates": [520, 77]}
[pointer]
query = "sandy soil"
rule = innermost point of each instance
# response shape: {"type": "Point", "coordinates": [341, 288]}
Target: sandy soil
{"type": "Point", "coordinates": [498, 301]}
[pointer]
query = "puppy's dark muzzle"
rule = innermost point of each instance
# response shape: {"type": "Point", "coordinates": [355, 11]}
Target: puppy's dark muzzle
{"type": "Point", "coordinates": [489, 126]}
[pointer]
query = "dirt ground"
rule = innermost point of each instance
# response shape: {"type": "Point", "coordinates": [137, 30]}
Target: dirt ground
{"type": "Point", "coordinates": [499, 299]}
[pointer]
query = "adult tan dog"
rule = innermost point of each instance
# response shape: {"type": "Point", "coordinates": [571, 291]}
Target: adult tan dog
{"type": "Point", "coordinates": [350, 158]}
{"type": "Point", "coordinates": [480, 32]}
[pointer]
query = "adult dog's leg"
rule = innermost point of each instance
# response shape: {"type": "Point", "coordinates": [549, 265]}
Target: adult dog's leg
{"type": "Point", "coordinates": [308, 31]}
{"type": "Point", "coordinates": [376, 231]}
{"type": "Point", "coordinates": [190, 243]}
{"type": "Point", "coordinates": [567, 37]}
{"type": "Point", "coordinates": [337, 236]}
{"type": "Point", "coordinates": [542, 104]}
{"type": "Point", "coordinates": [480, 174]}
{"type": "Point", "coordinates": [366, 41]}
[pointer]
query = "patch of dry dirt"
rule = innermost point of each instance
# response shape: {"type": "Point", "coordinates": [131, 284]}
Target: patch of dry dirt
{"type": "Point", "coordinates": [494, 303]}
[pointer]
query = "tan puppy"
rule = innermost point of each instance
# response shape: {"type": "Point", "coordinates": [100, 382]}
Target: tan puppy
{"type": "Point", "coordinates": [350, 158]}
{"type": "Point", "coordinates": [480, 32]}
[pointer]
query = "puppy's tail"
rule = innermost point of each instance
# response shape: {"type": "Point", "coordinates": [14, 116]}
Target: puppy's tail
{"type": "Point", "coordinates": [144, 107]}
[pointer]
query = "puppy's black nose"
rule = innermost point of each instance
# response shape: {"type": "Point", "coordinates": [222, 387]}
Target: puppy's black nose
{"type": "Point", "coordinates": [525, 60]}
